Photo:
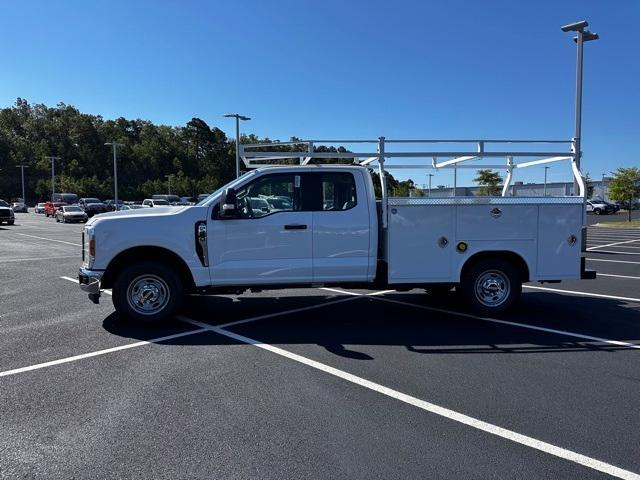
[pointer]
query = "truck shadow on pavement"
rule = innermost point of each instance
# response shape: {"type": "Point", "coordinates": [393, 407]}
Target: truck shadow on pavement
{"type": "Point", "coordinates": [433, 327]}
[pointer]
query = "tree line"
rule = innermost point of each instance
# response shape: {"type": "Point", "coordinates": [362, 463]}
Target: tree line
{"type": "Point", "coordinates": [198, 157]}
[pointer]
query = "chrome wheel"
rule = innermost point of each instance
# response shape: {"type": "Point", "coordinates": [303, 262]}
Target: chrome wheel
{"type": "Point", "coordinates": [148, 294]}
{"type": "Point", "coordinates": [492, 288]}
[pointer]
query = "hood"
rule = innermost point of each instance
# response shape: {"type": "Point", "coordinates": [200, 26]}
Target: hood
{"type": "Point", "coordinates": [137, 213]}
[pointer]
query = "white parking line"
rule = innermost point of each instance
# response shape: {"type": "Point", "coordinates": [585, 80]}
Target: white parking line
{"type": "Point", "coordinates": [432, 407]}
{"type": "Point", "coordinates": [612, 261]}
{"type": "Point", "coordinates": [38, 366]}
{"type": "Point", "coordinates": [612, 244]}
{"type": "Point", "coordinates": [583, 294]}
{"type": "Point", "coordinates": [345, 292]}
{"type": "Point", "coordinates": [617, 276]}
{"type": "Point", "coordinates": [3, 260]}
{"type": "Point", "coordinates": [75, 280]}
{"type": "Point", "coordinates": [514, 324]}
{"type": "Point", "coordinates": [619, 246]}
{"type": "Point", "coordinates": [48, 239]}
{"type": "Point", "coordinates": [614, 251]}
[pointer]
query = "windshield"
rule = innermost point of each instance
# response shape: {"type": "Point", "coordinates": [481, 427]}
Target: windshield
{"type": "Point", "coordinates": [232, 183]}
{"type": "Point", "coordinates": [92, 200]}
{"type": "Point", "coordinates": [3, 203]}
{"type": "Point", "coordinates": [72, 209]}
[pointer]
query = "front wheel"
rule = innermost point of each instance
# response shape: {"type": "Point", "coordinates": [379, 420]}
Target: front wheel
{"type": "Point", "coordinates": [491, 285]}
{"type": "Point", "coordinates": [147, 292]}
{"type": "Point", "coordinates": [597, 211]}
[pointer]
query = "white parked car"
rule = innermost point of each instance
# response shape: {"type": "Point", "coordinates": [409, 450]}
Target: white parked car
{"type": "Point", "coordinates": [329, 235]}
{"type": "Point", "coordinates": [152, 202]}
{"type": "Point", "coordinates": [39, 208]}
{"type": "Point", "coordinates": [598, 207]}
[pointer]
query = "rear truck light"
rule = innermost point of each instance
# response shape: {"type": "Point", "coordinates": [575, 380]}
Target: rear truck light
{"type": "Point", "coordinates": [92, 247]}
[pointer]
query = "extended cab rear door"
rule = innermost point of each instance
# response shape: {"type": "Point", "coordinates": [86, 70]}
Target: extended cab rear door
{"type": "Point", "coordinates": [343, 246]}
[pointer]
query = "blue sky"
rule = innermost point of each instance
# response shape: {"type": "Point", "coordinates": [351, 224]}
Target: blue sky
{"type": "Point", "coordinates": [327, 69]}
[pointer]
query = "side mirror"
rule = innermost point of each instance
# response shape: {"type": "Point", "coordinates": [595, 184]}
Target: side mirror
{"type": "Point", "coordinates": [229, 204]}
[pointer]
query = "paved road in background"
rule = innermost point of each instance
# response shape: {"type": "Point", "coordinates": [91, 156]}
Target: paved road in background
{"type": "Point", "coordinates": [317, 383]}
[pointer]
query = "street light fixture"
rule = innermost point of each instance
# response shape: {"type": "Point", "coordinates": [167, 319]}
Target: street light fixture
{"type": "Point", "coordinates": [583, 36]}
{"type": "Point", "coordinates": [115, 146]}
{"type": "Point", "coordinates": [53, 174]}
{"type": "Point", "coordinates": [168, 177]}
{"type": "Point", "coordinates": [22, 167]}
{"type": "Point", "coordinates": [238, 117]}
{"type": "Point", "coordinates": [544, 194]}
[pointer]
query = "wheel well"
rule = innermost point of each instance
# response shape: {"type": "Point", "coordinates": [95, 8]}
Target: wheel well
{"type": "Point", "coordinates": [511, 257]}
{"type": "Point", "coordinates": [155, 254]}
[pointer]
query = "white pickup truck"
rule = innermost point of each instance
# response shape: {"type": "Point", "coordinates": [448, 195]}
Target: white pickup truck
{"type": "Point", "coordinates": [320, 225]}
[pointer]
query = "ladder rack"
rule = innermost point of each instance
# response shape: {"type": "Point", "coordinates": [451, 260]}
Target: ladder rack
{"type": "Point", "coordinates": [530, 153]}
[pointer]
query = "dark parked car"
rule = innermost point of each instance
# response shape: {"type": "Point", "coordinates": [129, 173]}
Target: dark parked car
{"type": "Point", "coordinates": [172, 199]}
{"type": "Point", "coordinates": [111, 204]}
{"type": "Point", "coordinates": [6, 213]}
{"type": "Point", "coordinates": [92, 206]}
{"type": "Point", "coordinates": [66, 198]}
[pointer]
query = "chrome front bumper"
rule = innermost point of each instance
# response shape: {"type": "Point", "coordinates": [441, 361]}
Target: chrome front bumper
{"type": "Point", "coordinates": [89, 281]}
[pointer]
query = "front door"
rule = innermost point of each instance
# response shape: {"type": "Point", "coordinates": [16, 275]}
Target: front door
{"type": "Point", "coordinates": [271, 240]}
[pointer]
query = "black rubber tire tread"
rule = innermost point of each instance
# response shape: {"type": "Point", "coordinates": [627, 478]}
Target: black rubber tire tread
{"type": "Point", "coordinates": [128, 274]}
{"type": "Point", "coordinates": [474, 271]}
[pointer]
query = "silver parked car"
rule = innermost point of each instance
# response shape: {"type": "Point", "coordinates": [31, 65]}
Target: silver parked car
{"type": "Point", "coordinates": [19, 207]}
{"type": "Point", "coordinates": [39, 208]}
{"type": "Point", "coordinates": [71, 213]}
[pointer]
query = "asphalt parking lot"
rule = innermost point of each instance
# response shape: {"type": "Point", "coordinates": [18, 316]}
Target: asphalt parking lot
{"type": "Point", "coordinates": [317, 383]}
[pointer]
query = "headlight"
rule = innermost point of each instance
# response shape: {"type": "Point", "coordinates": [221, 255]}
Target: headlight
{"type": "Point", "coordinates": [88, 246]}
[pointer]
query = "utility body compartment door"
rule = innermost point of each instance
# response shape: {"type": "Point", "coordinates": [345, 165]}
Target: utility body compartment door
{"type": "Point", "coordinates": [420, 243]}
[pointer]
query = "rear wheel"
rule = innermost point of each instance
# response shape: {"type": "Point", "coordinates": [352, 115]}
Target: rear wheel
{"type": "Point", "coordinates": [147, 292]}
{"type": "Point", "coordinates": [491, 285]}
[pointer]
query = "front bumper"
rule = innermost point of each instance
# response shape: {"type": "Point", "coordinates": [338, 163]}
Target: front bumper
{"type": "Point", "coordinates": [89, 281]}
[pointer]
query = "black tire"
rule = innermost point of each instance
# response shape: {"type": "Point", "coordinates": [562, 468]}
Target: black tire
{"type": "Point", "coordinates": [131, 284]}
{"type": "Point", "coordinates": [597, 211]}
{"type": "Point", "coordinates": [10, 222]}
{"type": "Point", "coordinates": [491, 285]}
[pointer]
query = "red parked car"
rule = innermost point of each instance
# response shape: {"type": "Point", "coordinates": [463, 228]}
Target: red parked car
{"type": "Point", "coordinates": [51, 207]}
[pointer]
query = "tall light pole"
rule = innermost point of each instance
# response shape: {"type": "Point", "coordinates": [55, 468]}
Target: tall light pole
{"type": "Point", "coordinates": [430, 175]}
{"type": "Point", "coordinates": [238, 117]}
{"type": "Point", "coordinates": [22, 167]}
{"type": "Point", "coordinates": [115, 146]}
{"type": "Point", "coordinates": [545, 181]}
{"type": "Point", "coordinates": [168, 177]}
{"type": "Point", "coordinates": [582, 36]}
{"type": "Point", "coordinates": [53, 174]}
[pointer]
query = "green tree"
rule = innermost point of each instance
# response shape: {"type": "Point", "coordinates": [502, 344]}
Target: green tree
{"type": "Point", "coordinates": [489, 181]}
{"type": "Point", "coordinates": [589, 185]}
{"type": "Point", "coordinates": [625, 186]}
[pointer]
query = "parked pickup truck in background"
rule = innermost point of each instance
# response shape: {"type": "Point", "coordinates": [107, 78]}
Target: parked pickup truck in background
{"type": "Point", "coordinates": [50, 208]}
{"type": "Point", "coordinates": [92, 206]}
{"type": "Point", "coordinates": [326, 228]}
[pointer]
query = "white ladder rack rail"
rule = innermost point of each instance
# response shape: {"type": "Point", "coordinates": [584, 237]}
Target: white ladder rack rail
{"type": "Point", "coordinates": [262, 154]}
